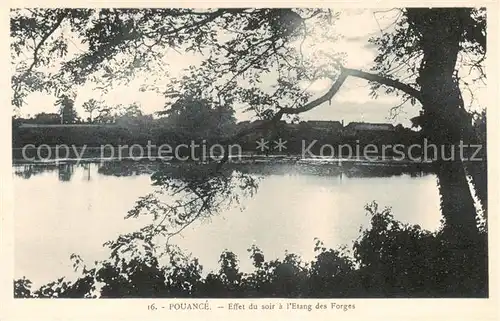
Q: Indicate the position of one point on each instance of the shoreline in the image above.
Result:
(241, 159)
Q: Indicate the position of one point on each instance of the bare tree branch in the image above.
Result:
(340, 81)
(385, 81)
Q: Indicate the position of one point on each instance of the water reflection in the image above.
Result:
(134, 168)
(64, 171)
(75, 208)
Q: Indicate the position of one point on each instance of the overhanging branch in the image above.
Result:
(59, 21)
(346, 72)
(326, 97)
(385, 81)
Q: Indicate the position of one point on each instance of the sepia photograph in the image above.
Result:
(249, 153)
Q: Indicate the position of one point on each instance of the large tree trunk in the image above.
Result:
(446, 122)
(457, 204)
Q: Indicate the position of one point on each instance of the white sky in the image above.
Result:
(352, 102)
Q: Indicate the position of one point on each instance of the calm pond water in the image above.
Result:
(64, 209)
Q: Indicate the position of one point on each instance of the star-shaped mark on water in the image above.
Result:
(262, 144)
(280, 144)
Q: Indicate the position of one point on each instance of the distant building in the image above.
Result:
(355, 127)
(325, 125)
(317, 125)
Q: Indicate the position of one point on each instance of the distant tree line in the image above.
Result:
(192, 119)
(99, 113)
(189, 120)
(199, 121)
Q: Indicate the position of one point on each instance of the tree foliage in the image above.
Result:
(198, 117)
(401, 48)
(292, 47)
(67, 109)
(238, 43)
(90, 106)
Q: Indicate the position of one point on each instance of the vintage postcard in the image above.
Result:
(245, 160)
